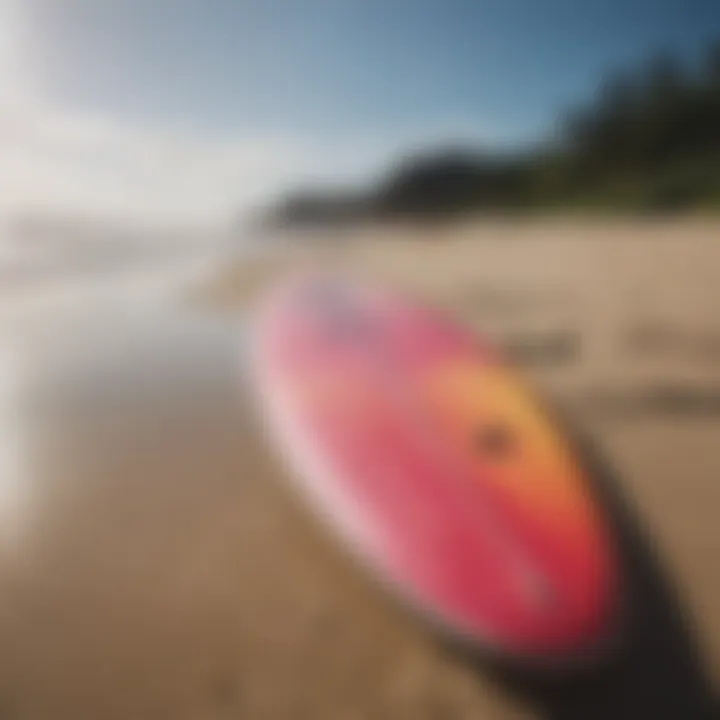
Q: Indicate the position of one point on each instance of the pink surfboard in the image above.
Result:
(423, 449)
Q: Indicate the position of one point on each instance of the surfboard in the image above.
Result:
(443, 473)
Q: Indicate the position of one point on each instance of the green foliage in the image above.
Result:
(651, 141)
(648, 141)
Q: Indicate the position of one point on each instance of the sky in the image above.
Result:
(191, 110)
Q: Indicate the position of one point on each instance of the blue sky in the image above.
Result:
(345, 67)
(288, 88)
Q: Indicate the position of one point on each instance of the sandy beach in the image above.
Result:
(158, 565)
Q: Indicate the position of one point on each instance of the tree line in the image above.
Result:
(647, 140)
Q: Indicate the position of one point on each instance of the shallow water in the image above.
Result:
(77, 347)
(118, 412)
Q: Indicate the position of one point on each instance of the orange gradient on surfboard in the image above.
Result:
(537, 469)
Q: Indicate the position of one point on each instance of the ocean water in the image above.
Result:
(80, 339)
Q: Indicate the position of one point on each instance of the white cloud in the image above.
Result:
(63, 160)
(58, 158)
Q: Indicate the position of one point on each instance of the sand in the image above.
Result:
(167, 570)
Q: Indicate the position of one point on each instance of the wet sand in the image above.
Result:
(155, 564)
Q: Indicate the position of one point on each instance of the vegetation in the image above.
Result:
(648, 140)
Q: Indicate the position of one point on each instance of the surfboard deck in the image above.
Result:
(425, 451)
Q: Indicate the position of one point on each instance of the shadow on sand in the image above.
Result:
(654, 671)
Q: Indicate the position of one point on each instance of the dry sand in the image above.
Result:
(167, 571)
